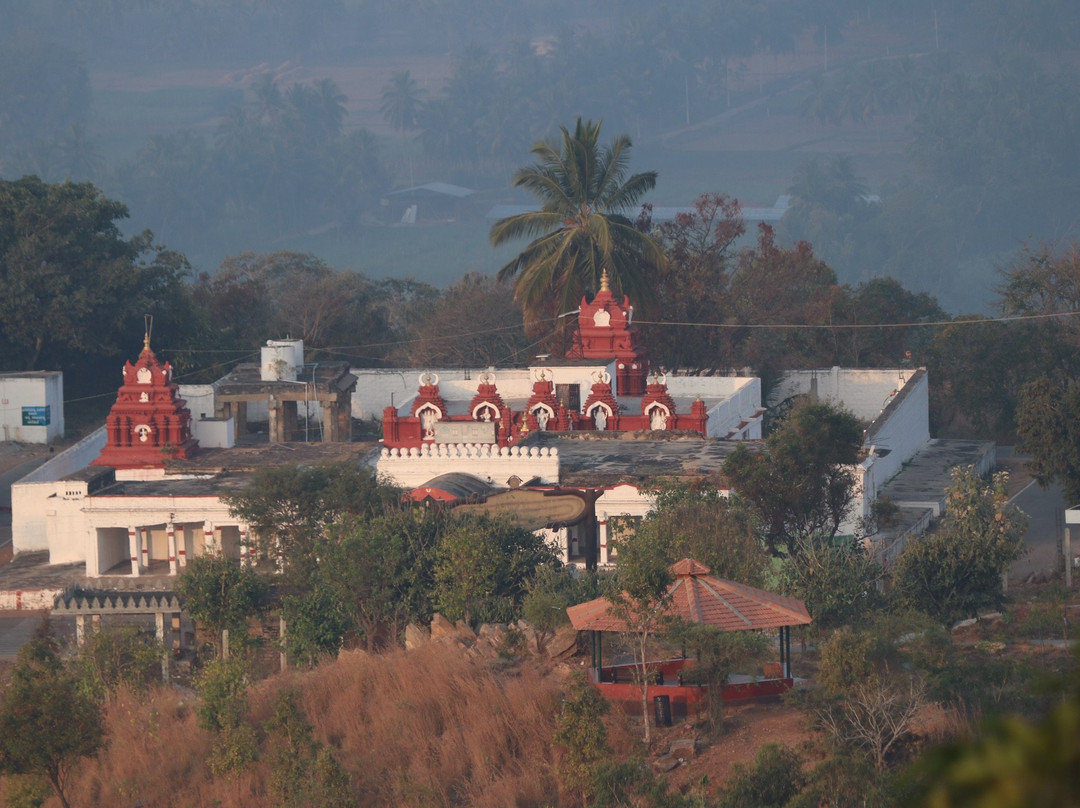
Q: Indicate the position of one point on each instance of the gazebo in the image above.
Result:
(697, 597)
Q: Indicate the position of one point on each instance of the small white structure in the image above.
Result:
(32, 406)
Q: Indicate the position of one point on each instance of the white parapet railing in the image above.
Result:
(412, 467)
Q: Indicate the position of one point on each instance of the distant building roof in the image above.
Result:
(443, 188)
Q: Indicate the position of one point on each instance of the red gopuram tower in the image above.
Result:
(606, 331)
(149, 424)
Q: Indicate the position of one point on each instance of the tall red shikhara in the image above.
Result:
(606, 331)
(149, 424)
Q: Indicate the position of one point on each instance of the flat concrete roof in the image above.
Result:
(605, 459)
(923, 479)
(33, 571)
(251, 457)
(323, 378)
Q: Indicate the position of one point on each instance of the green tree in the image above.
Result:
(801, 487)
(70, 285)
(113, 657)
(483, 568)
(838, 582)
(866, 701)
(1048, 428)
(222, 687)
(639, 596)
(221, 594)
(581, 227)
(775, 777)
(695, 521)
(303, 772)
(550, 593)
(955, 571)
(290, 507)
(719, 654)
(47, 722)
(582, 737)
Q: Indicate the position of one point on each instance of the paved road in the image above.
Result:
(14, 474)
(15, 629)
(1046, 522)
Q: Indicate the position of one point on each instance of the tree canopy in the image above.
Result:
(70, 284)
(955, 571)
(47, 721)
(801, 486)
(581, 227)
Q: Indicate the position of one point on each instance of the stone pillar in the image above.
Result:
(170, 533)
(603, 533)
(344, 420)
(329, 422)
(80, 629)
(181, 548)
(240, 418)
(273, 425)
(144, 547)
(564, 544)
(208, 539)
(1068, 553)
(133, 548)
(159, 632)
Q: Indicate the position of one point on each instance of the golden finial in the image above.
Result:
(148, 323)
(604, 287)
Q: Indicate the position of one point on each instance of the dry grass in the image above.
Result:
(432, 727)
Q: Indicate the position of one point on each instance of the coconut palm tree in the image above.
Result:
(581, 227)
(401, 101)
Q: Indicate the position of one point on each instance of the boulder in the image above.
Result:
(666, 763)
(683, 749)
(441, 627)
(564, 644)
(415, 636)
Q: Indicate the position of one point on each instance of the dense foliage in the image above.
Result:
(956, 570)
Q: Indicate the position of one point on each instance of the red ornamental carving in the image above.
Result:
(657, 398)
(149, 424)
(543, 407)
(601, 397)
(429, 405)
(487, 399)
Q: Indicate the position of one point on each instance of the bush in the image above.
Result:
(775, 777)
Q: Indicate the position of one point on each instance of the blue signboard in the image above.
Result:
(36, 416)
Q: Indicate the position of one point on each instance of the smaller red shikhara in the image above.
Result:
(149, 424)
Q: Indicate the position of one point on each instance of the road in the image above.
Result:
(15, 629)
(1046, 522)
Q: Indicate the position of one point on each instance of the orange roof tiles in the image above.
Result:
(698, 597)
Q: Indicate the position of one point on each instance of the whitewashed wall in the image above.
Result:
(30, 496)
(865, 393)
(904, 430)
(35, 389)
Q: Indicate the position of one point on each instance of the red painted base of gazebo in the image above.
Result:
(616, 683)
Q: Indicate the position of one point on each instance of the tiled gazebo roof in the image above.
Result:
(698, 597)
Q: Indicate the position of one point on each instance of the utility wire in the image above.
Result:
(828, 326)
